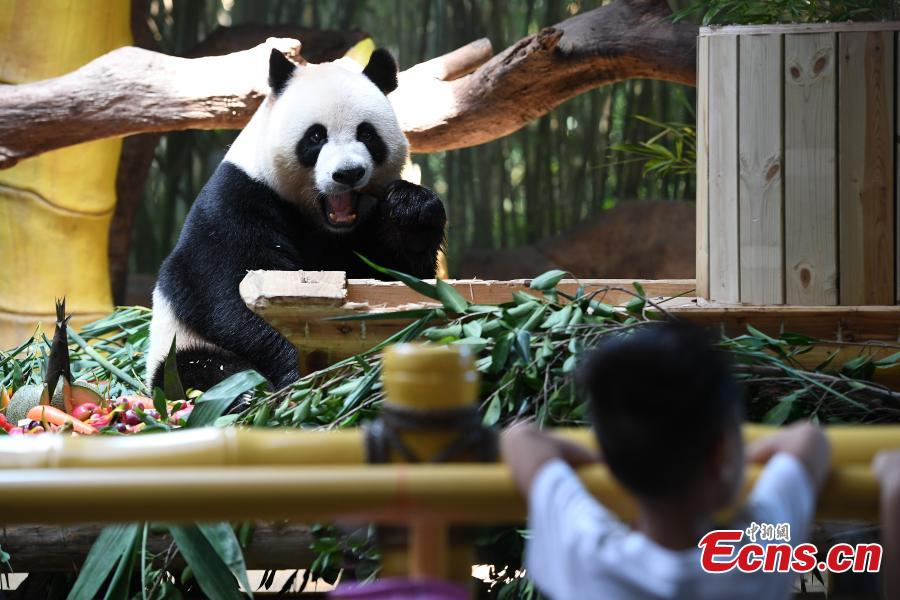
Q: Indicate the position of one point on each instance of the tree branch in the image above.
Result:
(132, 91)
(622, 40)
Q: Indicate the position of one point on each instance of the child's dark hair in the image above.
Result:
(660, 397)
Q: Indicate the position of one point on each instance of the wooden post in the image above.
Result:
(810, 204)
(866, 195)
(760, 188)
(722, 160)
(702, 269)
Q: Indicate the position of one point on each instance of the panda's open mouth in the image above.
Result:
(340, 209)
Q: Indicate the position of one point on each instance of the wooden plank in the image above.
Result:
(810, 144)
(731, 30)
(866, 165)
(702, 268)
(724, 283)
(271, 292)
(761, 179)
(839, 323)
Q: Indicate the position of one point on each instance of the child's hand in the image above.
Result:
(886, 465)
(804, 441)
(525, 449)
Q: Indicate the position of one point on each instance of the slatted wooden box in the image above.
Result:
(796, 165)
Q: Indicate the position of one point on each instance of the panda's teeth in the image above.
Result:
(351, 218)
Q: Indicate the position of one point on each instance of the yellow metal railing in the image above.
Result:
(213, 474)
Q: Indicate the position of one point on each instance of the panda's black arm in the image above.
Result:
(209, 302)
(409, 230)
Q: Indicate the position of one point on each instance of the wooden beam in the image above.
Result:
(49, 548)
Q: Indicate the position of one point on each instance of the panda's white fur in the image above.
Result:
(265, 207)
(338, 98)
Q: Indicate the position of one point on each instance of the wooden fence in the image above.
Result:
(797, 185)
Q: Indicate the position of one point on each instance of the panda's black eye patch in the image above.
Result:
(368, 135)
(310, 144)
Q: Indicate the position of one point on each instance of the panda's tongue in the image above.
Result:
(341, 209)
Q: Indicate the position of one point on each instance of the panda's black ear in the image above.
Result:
(382, 70)
(280, 71)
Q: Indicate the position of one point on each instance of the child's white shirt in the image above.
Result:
(578, 549)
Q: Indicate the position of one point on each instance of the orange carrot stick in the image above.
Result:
(51, 414)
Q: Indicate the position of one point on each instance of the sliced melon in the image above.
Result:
(59, 394)
(82, 392)
(25, 398)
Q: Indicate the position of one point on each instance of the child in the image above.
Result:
(887, 468)
(667, 412)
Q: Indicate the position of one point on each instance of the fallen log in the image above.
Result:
(456, 100)
(50, 548)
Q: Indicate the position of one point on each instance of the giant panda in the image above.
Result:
(288, 195)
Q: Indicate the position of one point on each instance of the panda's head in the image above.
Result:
(330, 131)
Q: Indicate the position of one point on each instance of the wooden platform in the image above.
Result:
(296, 303)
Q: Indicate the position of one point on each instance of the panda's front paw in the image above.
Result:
(412, 206)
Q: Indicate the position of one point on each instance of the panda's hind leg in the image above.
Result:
(201, 369)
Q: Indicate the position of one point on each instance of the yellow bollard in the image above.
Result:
(431, 416)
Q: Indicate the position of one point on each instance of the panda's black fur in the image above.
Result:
(238, 224)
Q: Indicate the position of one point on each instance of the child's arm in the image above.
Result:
(526, 449)
(805, 441)
(887, 468)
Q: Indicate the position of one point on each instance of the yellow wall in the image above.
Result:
(55, 209)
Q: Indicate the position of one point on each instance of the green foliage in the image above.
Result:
(114, 545)
(216, 399)
(671, 151)
(527, 349)
(751, 12)
(109, 350)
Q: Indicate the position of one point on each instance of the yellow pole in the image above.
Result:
(187, 448)
(436, 382)
(55, 209)
(396, 494)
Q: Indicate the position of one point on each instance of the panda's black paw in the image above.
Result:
(413, 206)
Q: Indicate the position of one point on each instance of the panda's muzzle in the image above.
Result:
(341, 208)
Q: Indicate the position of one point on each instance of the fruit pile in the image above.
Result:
(63, 404)
(26, 414)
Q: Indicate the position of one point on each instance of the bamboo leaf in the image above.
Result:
(548, 280)
(159, 403)
(223, 540)
(450, 298)
(121, 580)
(171, 380)
(492, 414)
(210, 570)
(380, 316)
(113, 543)
(214, 401)
(424, 288)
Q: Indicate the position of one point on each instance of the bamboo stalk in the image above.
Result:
(852, 445)
(454, 493)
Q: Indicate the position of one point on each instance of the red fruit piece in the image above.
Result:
(85, 411)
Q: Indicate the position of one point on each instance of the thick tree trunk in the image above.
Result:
(132, 91)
